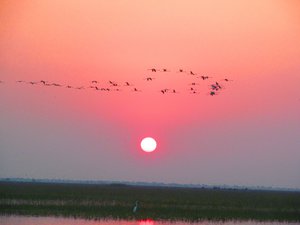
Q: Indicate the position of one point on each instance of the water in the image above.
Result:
(26, 220)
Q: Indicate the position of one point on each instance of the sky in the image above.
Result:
(247, 134)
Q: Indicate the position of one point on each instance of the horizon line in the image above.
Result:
(148, 184)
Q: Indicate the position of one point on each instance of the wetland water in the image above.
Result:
(28, 220)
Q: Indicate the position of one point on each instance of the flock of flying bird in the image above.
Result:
(111, 86)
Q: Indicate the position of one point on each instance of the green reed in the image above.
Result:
(117, 201)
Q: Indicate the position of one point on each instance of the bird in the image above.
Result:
(212, 93)
(94, 82)
(165, 70)
(153, 70)
(113, 83)
(226, 79)
(136, 90)
(218, 85)
(127, 84)
(149, 78)
(204, 77)
(55, 84)
(164, 91)
(192, 73)
(135, 208)
(42, 81)
(214, 87)
(193, 84)
(180, 71)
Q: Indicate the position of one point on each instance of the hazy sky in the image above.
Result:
(249, 134)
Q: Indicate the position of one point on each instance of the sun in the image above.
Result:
(148, 144)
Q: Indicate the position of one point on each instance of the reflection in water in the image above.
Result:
(24, 220)
(146, 222)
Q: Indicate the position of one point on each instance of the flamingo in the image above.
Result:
(136, 90)
(192, 73)
(150, 78)
(153, 70)
(204, 77)
(180, 71)
(212, 93)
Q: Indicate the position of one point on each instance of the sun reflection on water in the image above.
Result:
(146, 222)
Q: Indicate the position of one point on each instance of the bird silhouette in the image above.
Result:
(204, 77)
(153, 70)
(112, 83)
(56, 84)
(180, 71)
(192, 73)
(212, 93)
(136, 90)
(214, 87)
(127, 84)
(218, 85)
(149, 78)
(164, 91)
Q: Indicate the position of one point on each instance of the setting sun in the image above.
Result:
(148, 144)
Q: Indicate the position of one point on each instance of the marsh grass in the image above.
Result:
(117, 201)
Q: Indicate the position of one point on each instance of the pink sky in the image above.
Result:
(246, 135)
